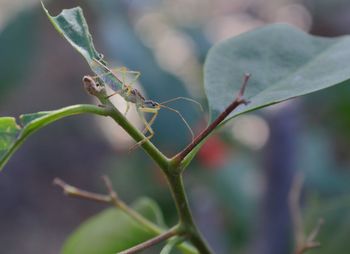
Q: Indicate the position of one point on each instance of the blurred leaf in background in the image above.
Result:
(21, 34)
(112, 230)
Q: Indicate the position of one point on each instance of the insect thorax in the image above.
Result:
(132, 95)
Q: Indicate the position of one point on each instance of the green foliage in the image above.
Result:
(13, 135)
(112, 230)
(21, 34)
(284, 62)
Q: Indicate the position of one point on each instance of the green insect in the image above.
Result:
(132, 95)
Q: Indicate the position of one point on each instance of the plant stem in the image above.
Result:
(118, 203)
(238, 101)
(113, 199)
(110, 198)
(151, 242)
(302, 243)
(174, 179)
(170, 167)
(137, 135)
(176, 168)
(185, 215)
(51, 116)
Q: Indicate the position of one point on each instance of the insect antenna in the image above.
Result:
(183, 98)
(182, 118)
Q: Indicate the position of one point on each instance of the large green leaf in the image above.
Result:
(13, 135)
(112, 230)
(284, 63)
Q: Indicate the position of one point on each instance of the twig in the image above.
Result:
(302, 243)
(72, 191)
(166, 235)
(296, 217)
(110, 189)
(238, 101)
(111, 198)
(315, 232)
(310, 242)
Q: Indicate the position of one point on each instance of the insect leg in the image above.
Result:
(148, 128)
(148, 125)
(151, 121)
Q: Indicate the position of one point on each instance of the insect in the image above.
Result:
(132, 95)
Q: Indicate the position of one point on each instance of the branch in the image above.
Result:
(310, 242)
(110, 198)
(303, 244)
(168, 167)
(238, 101)
(151, 242)
(72, 191)
(113, 199)
(31, 126)
(185, 216)
(296, 217)
(174, 174)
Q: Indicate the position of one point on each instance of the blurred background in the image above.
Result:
(238, 184)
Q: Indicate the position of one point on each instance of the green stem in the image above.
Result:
(185, 215)
(137, 135)
(50, 117)
(172, 170)
(112, 199)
